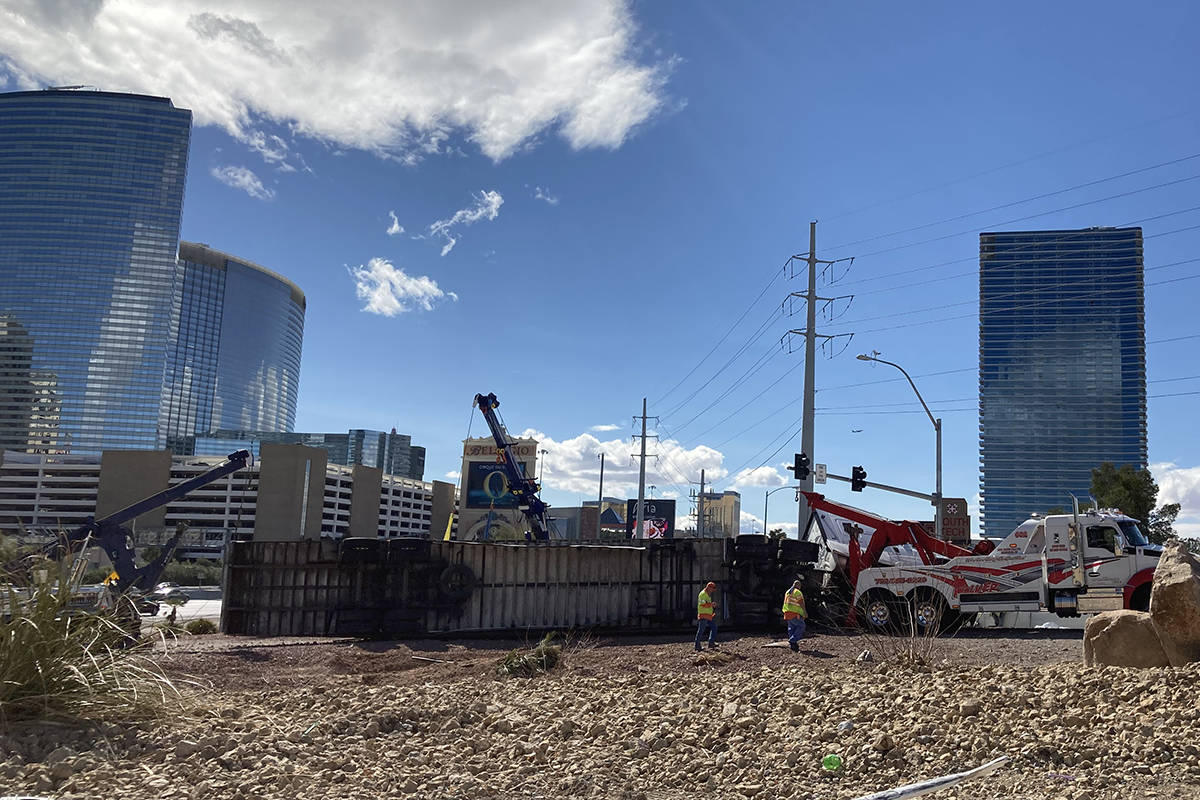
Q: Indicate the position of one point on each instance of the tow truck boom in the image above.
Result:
(111, 535)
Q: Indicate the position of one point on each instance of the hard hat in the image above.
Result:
(710, 585)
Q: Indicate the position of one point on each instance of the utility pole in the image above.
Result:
(700, 509)
(807, 431)
(600, 499)
(641, 499)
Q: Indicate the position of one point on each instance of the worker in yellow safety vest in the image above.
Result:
(795, 613)
(706, 617)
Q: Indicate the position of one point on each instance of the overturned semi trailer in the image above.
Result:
(414, 587)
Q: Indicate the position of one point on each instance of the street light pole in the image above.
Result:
(767, 496)
(937, 428)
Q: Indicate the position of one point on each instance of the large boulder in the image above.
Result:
(1175, 604)
(1123, 639)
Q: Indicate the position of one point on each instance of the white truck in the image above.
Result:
(1067, 564)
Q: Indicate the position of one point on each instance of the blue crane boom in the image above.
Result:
(523, 487)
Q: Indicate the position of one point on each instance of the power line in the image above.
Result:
(1009, 165)
(763, 360)
(1034, 198)
(1031, 291)
(721, 341)
(975, 272)
(754, 337)
(1072, 207)
(1010, 309)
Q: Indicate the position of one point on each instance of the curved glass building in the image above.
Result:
(91, 192)
(1062, 366)
(236, 360)
(108, 341)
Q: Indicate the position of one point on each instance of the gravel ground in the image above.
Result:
(635, 718)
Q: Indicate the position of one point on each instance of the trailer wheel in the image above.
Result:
(882, 612)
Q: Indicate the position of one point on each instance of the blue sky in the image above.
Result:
(592, 195)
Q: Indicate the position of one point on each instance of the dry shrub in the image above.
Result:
(63, 662)
(526, 663)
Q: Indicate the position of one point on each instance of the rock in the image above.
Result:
(865, 657)
(729, 709)
(186, 747)
(1123, 639)
(970, 708)
(882, 743)
(58, 754)
(1175, 604)
(845, 726)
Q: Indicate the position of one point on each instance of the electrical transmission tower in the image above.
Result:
(809, 332)
(641, 499)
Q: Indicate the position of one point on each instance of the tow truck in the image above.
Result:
(523, 487)
(110, 534)
(1067, 564)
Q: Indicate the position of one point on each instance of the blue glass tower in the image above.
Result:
(1062, 366)
(236, 361)
(91, 193)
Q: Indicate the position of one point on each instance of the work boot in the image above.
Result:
(697, 648)
(795, 646)
(712, 645)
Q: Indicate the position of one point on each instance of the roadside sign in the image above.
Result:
(956, 523)
(819, 473)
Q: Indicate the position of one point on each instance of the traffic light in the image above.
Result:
(801, 468)
(858, 479)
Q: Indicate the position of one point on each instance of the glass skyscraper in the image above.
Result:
(91, 192)
(1062, 366)
(236, 359)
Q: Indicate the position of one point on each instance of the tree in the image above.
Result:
(1131, 490)
(776, 534)
(1162, 523)
(1135, 493)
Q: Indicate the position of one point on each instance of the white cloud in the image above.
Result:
(542, 193)
(453, 475)
(573, 465)
(395, 227)
(753, 524)
(389, 290)
(604, 428)
(244, 179)
(487, 207)
(396, 79)
(1180, 485)
(759, 476)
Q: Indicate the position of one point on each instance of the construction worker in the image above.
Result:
(706, 617)
(795, 613)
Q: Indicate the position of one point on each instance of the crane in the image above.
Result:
(523, 487)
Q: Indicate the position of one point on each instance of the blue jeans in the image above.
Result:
(709, 625)
(795, 629)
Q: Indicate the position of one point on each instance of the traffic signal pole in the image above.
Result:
(885, 487)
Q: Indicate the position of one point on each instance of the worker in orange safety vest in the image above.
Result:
(795, 613)
(706, 617)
